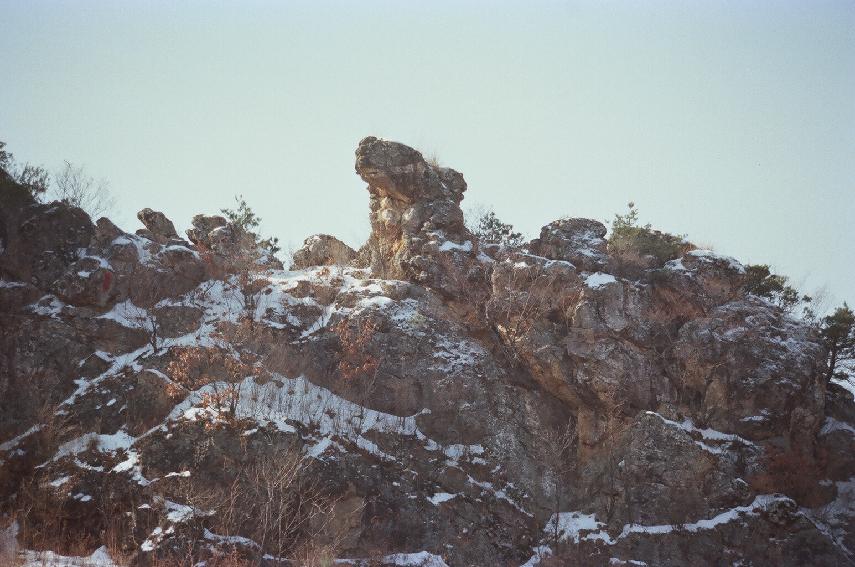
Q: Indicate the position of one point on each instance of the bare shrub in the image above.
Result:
(790, 472)
(355, 359)
(74, 186)
(611, 414)
(526, 298)
(195, 367)
(146, 320)
(278, 502)
(558, 453)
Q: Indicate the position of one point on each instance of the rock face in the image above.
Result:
(323, 250)
(441, 406)
(38, 241)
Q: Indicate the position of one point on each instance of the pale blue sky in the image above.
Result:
(732, 122)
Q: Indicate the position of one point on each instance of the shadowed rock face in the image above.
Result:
(448, 403)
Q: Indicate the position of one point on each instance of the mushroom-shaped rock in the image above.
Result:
(417, 228)
(394, 170)
(580, 241)
(160, 227)
(323, 250)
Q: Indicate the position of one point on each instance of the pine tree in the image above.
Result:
(838, 335)
(34, 178)
(760, 281)
(245, 218)
(491, 230)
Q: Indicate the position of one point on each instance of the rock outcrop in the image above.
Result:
(417, 229)
(323, 250)
(579, 241)
(444, 405)
(159, 227)
(215, 233)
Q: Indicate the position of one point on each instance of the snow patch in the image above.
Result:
(710, 256)
(99, 558)
(598, 280)
(830, 425)
(707, 434)
(448, 245)
(420, 559)
(441, 497)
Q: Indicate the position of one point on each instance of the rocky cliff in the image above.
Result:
(426, 400)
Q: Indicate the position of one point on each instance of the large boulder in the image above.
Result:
(39, 241)
(105, 232)
(579, 241)
(160, 227)
(323, 250)
(215, 234)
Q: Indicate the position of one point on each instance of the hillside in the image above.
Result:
(428, 399)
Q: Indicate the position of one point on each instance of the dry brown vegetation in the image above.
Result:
(791, 472)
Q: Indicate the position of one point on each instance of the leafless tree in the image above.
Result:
(147, 321)
(74, 186)
(276, 502)
(611, 415)
(526, 298)
(558, 451)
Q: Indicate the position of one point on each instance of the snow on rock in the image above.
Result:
(836, 517)
(297, 399)
(49, 306)
(60, 481)
(577, 526)
(570, 525)
(177, 512)
(448, 245)
(760, 503)
(128, 315)
(103, 443)
(710, 256)
(420, 559)
(12, 443)
(456, 353)
(848, 383)
(99, 558)
(599, 279)
(441, 497)
(832, 425)
(230, 539)
(707, 434)
(145, 257)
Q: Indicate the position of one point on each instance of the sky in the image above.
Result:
(732, 122)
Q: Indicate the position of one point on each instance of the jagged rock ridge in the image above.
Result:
(432, 400)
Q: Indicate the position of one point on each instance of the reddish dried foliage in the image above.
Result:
(790, 472)
(355, 360)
